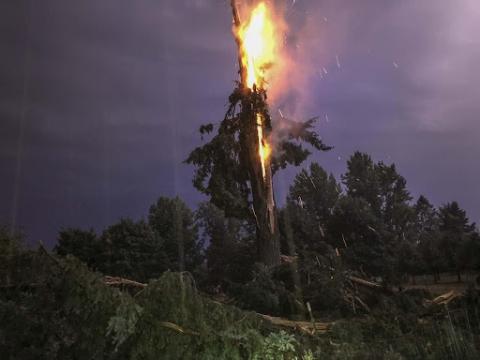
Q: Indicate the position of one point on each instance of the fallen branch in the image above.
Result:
(178, 328)
(371, 285)
(363, 282)
(303, 326)
(352, 299)
(445, 299)
(118, 281)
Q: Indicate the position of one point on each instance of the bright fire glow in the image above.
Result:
(263, 147)
(257, 37)
(259, 52)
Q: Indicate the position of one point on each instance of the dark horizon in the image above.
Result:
(101, 102)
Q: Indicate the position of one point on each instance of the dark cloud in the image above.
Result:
(101, 101)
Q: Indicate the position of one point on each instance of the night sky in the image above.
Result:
(100, 101)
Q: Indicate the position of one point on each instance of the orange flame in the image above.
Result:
(263, 147)
(259, 51)
(258, 40)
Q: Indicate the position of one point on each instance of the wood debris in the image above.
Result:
(306, 327)
(364, 282)
(118, 281)
(445, 299)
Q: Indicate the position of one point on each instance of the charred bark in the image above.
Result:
(261, 184)
(263, 203)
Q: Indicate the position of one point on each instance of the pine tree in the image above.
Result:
(83, 244)
(131, 249)
(455, 233)
(361, 180)
(173, 222)
(232, 168)
(229, 242)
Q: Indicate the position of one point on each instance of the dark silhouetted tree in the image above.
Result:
(394, 197)
(83, 244)
(230, 252)
(384, 192)
(132, 249)
(225, 168)
(360, 233)
(425, 234)
(310, 204)
(455, 233)
(173, 222)
(361, 180)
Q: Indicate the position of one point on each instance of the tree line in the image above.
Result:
(367, 223)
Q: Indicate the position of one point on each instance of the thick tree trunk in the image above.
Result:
(264, 211)
(268, 244)
(264, 207)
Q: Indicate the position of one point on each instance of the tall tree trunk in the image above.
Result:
(268, 244)
(264, 211)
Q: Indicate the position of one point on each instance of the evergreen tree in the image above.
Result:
(361, 180)
(316, 191)
(11, 244)
(304, 226)
(456, 232)
(394, 199)
(223, 166)
(409, 259)
(173, 222)
(360, 233)
(424, 234)
(310, 204)
(83, 244)
(383, 191)
(230, 250)
(132, 250)
(426, 218)
(382, 188)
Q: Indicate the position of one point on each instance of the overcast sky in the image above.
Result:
(100, 101)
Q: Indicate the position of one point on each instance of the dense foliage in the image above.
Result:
(54, 307)
(221, 164)
(367, 224)
(57, 306)
(138, 249)
(374, 226)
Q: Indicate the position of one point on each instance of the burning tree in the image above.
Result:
(236, 167)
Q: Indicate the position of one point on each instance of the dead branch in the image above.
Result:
(118, 281)
(444, 299)
(178, 328)
(363, 282)
(237, 24)
(307, 327)
(353, 299)
(236, 16)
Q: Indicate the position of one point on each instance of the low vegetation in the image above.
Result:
(185, 284)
